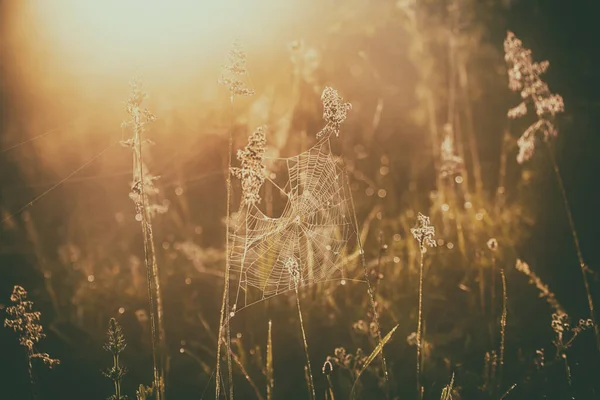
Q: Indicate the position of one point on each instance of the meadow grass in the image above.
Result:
(446, 279)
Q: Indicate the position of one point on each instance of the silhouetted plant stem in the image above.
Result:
(225, 302)
(155, 299)
(230, 77)
(502, 328)
(269, 365)
(424, 233)
(582, 264)
(21, 318)
(142, 182)
(31, 377)
(366, 273)
(420, 324)
(155, 315)
(115, 344)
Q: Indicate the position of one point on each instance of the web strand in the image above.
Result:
(57, 184)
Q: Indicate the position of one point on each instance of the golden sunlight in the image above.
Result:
(124, 34)
(69, 60)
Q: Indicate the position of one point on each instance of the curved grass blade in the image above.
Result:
(447, 391)
(372, 356)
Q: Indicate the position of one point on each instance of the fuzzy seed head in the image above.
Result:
(115, 339)
(424, 232)
(231, 73)
(252, 170)
(26, 323)
(524, 77)
(334, 112)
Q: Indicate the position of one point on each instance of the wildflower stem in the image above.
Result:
(31, 377)
(225, 302)
(369, 286)
(492, 321)
(502, 328)
(311, 385)
(425, 235)
(118, 380)
(269, 366)
(249, 379)
(582, 264)
(329, 393)
(493, 289)
(155, 300)
(567, 370)
(21, 318)
(420, 323)
(382, 250)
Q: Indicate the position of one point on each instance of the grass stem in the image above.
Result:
(309, 379)
(225, 302)
(582, 264)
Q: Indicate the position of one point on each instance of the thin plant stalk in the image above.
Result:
(115, 344)
(582, 264)
(259, 396)
(382, 250)
(509, 391)
(21, 318)
(117, 381)
(31, 376)
(502, 328)
(366, 273)
(447, 391)
(492, 322)
(225, 302)
(269, 369)
(493, 289)
(329, 393)
(568, 372)
(155, 299)
(365, 364)
(420, 325)
(229, 77)
(424, 233)
(310, 382)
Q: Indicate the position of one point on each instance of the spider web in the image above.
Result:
(312, 233)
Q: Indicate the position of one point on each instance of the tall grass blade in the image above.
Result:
(502, 328)
(447, 391)
(142, 181)
(308, 370)
(225, 302)
(582, 264)
(239, 363)
(508, 392)
(420, 328)
(366, 273)
(270, 380)
(378, 349)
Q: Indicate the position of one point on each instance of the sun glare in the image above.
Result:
(123, 34)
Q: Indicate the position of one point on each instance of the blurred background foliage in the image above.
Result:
(427, 133)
